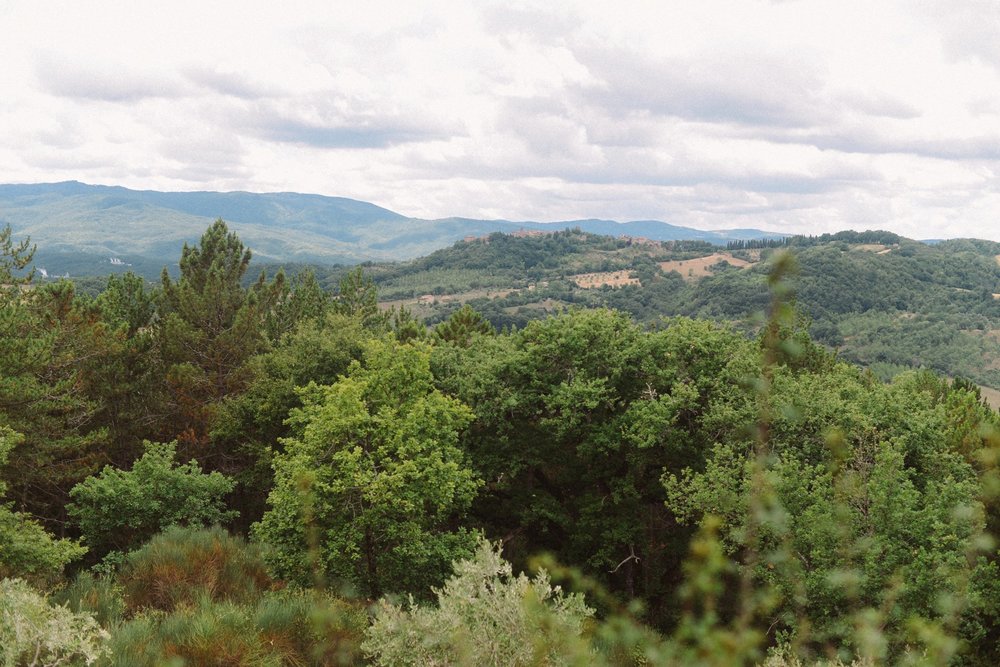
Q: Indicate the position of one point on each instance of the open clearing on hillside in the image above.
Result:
(422, 306)
(992, 396)
(612, 278)
(877, 248)
(692, 269)
(997, 258)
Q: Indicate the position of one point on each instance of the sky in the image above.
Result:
(795, 116)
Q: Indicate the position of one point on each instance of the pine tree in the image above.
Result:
(209, 328)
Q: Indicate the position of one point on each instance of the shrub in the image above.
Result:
(33, 632)
(26, 550)
(121, 509)
(485, 616)
(181, 565)
(101, 597)
(281, 628)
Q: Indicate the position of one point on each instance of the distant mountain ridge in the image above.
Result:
(79, 227)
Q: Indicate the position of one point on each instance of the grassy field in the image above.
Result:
(699, 267)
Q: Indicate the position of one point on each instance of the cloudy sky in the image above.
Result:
(801, 116)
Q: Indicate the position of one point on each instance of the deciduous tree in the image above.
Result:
(375, 470)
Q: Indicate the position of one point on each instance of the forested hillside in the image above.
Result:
(880, 300)
(92, 230)
(241, 470)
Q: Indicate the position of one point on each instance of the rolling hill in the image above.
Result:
(883, 301)
(78, 228)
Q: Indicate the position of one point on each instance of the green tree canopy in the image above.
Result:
(376, 470)
(122, 509)
(26, 549)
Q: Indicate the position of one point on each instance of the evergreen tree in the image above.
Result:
(462, 325)
(210, 326)
(51, 346)
(358, 297)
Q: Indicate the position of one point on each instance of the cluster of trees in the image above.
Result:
(756, 244)
(216, 472)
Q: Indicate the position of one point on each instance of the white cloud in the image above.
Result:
(793, 116)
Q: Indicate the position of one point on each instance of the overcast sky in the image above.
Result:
(800, 116)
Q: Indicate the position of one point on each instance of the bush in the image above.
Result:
(101, 597)
(29, 552)
(281, 628)
(121, 509)
(181, 565)
(485, 616)
(33, 632)
(26, 549)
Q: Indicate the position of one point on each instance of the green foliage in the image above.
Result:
(577, 416)
(484, 616)
(853, 507)
(281, 628)
(202, 597)
(26, 549)
(51, 349)
(128, 378)
(406, 326)
(723, 497)
(251, 425)
(181, 565)
(896, 302)
(358, 297)
(100, 596)
(375, 472)
(121, 509)
(14, 257)
(464, 323)
(299, 299)
(33, 632)
(125, 302)
(209, 327)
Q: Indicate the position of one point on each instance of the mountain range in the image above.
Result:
(86, 229)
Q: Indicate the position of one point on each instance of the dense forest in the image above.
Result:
(227, 469)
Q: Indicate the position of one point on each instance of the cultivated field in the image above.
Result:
(692, 269)
(612, 278)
